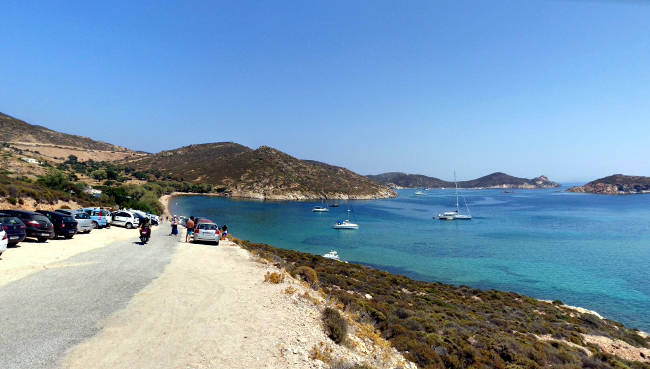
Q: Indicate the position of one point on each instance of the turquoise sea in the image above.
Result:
(587, 250)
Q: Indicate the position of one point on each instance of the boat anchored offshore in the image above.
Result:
(456, 215)
(419, 193)
(332, 255)
(320, 209)
(345, 224)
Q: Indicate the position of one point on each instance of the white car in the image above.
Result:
(125, 219)
(84, 223)
(208, 232)
(4, 240)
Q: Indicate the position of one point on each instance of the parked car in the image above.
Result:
(4, 241)
(207, 232)
(125, 219)
(100, 218)
(37, 225)
(153, 219)
(84, 223)
(14, 227)
(64, 225)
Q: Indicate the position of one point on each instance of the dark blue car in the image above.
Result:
(14, 227)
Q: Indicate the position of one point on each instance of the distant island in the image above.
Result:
(617, 184)
(494, 180)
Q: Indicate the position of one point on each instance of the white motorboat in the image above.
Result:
(332, 255)
(320, 209)
(456, 215)
(419, 193)
(345, 224)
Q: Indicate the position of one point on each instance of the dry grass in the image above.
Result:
(275, 278)
(290, 290)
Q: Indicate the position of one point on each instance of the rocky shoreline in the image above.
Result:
(616, 184)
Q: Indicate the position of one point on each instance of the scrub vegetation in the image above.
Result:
(443, 326)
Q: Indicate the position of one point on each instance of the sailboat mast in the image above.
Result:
(457, 207)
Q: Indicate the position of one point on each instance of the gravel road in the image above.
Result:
(44, 314)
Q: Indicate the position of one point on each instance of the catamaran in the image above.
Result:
(345, 224)
(456, 215)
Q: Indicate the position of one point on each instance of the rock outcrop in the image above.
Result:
(617, 184)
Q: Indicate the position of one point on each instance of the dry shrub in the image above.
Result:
(336, 327)
(311, 298)
(321, 352)
(274, 277)
(289, 290)
(308, 274)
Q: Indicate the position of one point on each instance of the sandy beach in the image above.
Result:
(30, 256)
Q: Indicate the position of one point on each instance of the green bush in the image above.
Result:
(12, 200)
(336, 327)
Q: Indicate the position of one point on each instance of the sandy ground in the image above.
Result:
(212, 309)
(30, 257)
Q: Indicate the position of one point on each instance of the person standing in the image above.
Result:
(174, 226)
(190, 228)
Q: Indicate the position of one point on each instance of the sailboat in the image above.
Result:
(456, 215)
(345, 224)
(320, 208)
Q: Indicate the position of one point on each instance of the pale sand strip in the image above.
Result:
(31, 257)
(212, 309)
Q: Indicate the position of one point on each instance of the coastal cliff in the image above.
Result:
(617, 184)
(494, 180)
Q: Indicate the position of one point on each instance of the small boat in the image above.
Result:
(455, 215)
(334, 205)
(320, 209)
(345, 224)
(419, 193)
(332, 255)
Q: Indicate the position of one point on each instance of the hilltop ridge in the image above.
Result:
(262, 173)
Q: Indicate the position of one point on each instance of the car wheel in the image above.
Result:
(68, 236)
(129, 225)
(95, 225)
(42, 239)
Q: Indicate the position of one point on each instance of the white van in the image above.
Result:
(125, 219)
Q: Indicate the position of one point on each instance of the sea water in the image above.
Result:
(586, 250)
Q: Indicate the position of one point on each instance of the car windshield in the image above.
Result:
(41, 218)
(9, 220)
(210, 227)
(82, 216)
(68, 219)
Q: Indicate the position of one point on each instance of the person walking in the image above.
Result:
(190, 229)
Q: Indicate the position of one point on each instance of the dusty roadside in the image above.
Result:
(31, 257)
(211, 308)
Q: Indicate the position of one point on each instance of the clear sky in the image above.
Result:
(560, 88)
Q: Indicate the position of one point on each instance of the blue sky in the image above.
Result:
(560, 88)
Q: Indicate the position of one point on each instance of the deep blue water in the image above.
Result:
(586, 250)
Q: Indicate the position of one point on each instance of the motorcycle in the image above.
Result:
(145, 233)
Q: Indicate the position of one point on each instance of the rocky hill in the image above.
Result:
(404, 180)
(617, 184)
(30, 140)
(494, 180)
(264, 173)
(18, 131)
(502, 180)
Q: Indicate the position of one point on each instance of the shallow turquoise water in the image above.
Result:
(586, 250)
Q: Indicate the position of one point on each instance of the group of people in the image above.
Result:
(190, 226)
